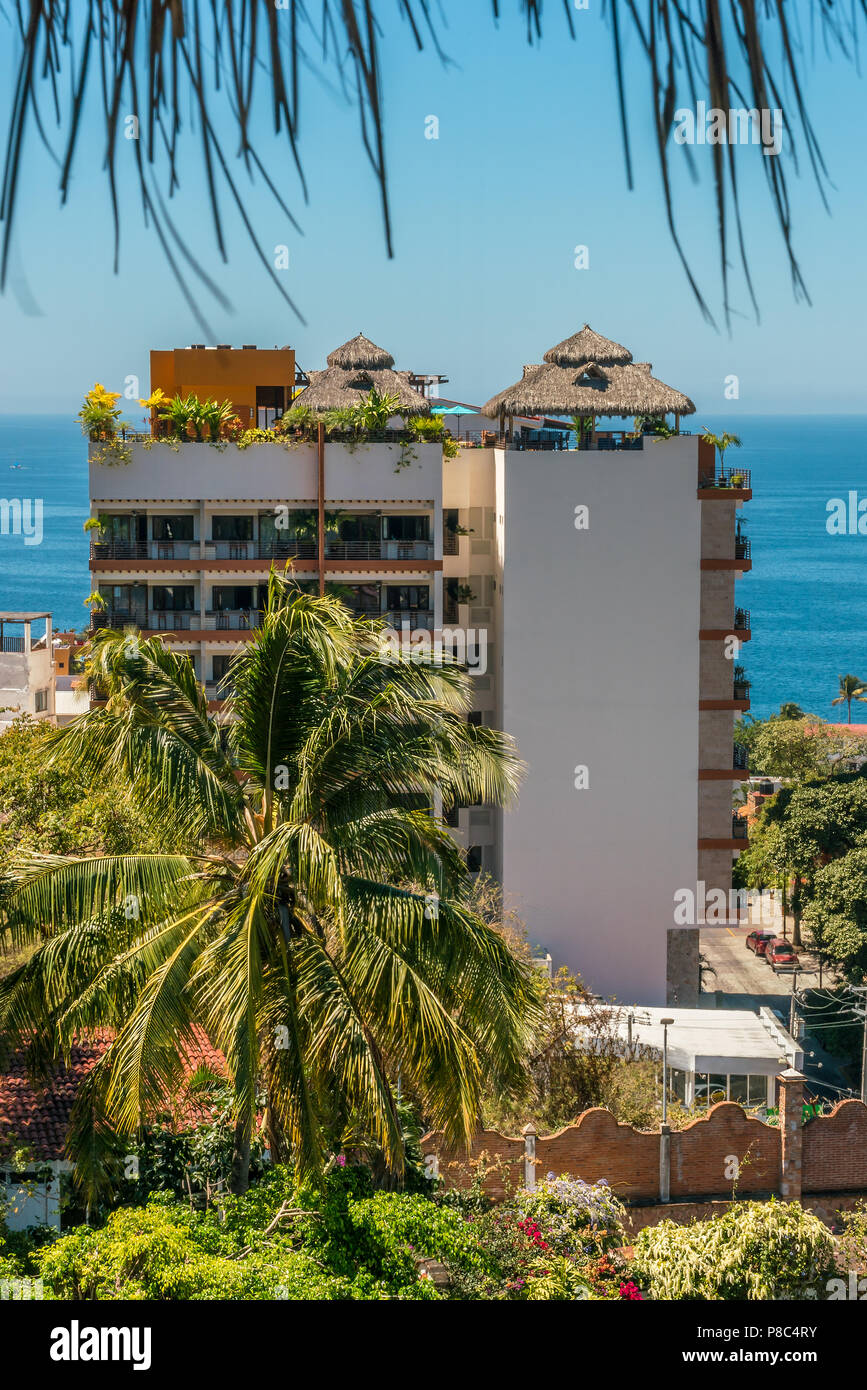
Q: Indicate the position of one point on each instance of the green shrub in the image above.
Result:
(574, 1217)
(756, 1250)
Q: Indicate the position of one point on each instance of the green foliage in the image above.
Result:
(755, 1250)
(290, 921)
(62, 811)
(573, 1215)
(836, 917)
(189, 417)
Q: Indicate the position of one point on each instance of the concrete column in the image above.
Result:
(529, 1134)
(791, 1108)
(665, 1163)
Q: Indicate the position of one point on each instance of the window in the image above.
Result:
(406, 528)
(407, 596)
(233, 528)
(474, 858)
(739, 1089)
(758, 1090)
(220, 667)
(172, 598)
(475, 717)
(173, 528)
(40, 701)
(233, 597)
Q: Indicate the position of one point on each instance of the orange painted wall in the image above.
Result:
(223, 373)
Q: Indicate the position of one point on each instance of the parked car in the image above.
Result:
(758, 941)
(780, 956)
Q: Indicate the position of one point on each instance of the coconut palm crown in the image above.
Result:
(309, 918)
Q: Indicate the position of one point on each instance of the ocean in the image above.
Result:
(807, 590)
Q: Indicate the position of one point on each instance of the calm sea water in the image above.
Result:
(807, 590)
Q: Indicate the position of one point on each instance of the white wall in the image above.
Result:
(268, 472)
(600, 667)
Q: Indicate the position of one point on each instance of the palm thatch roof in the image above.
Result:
(353, 371)
(589, 375)
(360, 352)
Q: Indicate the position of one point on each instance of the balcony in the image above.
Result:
(743, 549)
(231, 619)
(740, 757)
(740, 829)
(378, 550)
(185, 552)
(12, 644)
(727, 480)
(218, 689)
(146, 621)
(418, 618)
(742, 620)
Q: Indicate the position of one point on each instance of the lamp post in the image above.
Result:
(666, 1023)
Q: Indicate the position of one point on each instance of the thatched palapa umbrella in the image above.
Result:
(588, 375)
(355, 369)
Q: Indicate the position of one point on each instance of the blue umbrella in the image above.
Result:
(453, 410)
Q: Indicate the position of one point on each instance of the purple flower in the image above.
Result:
(341, 1160)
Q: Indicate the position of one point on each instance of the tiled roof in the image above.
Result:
(36, 1116)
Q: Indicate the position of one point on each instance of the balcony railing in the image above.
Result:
(451, 542)
(218, 689)
(12, 644)
(416, 617)
(231, 619)
(740, 757)
(743, 549)
(732, 478)
(740, 829)
(742, 620)
(207, 550)
(147, 621)
(378, 550)
(741, 690)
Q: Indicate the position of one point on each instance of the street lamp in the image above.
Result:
(666, 1023)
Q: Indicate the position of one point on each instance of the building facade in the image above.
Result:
(591, 589)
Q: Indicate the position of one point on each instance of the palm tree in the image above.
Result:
(850, 689)
(294, 922)
(721, 442)
(789, 710)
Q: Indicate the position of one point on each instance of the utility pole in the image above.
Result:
(792, 1016)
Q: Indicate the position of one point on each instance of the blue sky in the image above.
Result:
(528, 165)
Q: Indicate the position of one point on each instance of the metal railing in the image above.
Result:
(740, 757)
(146, 621)
(231, 619)
(12, 644)
(740, 829)
(416, 617)
(738, 479)
(741, 690)
(742, 620)
(204, 550)
(743, 549)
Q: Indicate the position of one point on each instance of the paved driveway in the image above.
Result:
(743, 980)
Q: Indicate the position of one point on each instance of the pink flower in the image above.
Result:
(341, 1160)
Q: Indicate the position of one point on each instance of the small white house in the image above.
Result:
(713, 1054)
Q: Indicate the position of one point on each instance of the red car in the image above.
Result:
(759, 941)
(780, 956)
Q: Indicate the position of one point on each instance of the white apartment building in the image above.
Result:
(26, 668)
(594, 588)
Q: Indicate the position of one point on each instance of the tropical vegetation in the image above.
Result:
(309, 917)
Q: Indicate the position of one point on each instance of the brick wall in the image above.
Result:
(835, 1150)
(724, 1153)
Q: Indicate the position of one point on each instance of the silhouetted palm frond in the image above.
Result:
(165, 69)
